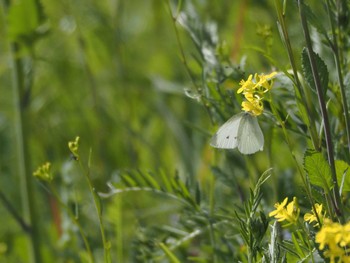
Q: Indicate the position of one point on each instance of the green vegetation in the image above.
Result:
(108, 112)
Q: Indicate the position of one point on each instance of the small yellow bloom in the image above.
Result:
(263, 81)
(253, 90)
(246, 85)
(312, 217)
(279, 207)
(289, 213)
(335, 238)
(74, 147)
(43, 172)
(253, 106)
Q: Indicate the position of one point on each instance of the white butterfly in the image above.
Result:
(241, 131)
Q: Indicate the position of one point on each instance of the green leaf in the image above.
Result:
(273, 246)
(318, 169)
(169, 254)
(128, 181)
(150, 181)
(166, 182)
(342, 175)
(297, 246)
(321, 68)
(24, 20)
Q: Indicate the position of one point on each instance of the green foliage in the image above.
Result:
(318, 170)
(24, 21)
(342, 173)
(308, 74)
(142, 86)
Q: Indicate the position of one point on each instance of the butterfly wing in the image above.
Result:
(226, 136)
(250, 138)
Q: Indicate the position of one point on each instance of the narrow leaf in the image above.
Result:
(128, 181)
(150, 181)
(172, 258)
(297, 246)
(273, 246)
(167, 182)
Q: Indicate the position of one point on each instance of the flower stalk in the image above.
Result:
(74, 147)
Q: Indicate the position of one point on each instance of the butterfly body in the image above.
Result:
(241, 131)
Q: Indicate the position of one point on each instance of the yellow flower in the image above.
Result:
(312, 217)
(43, 172)
(73, 147)
(289, 213)
(253, 106)
(263, 81)
(279, 207)
(246, 85)
(335, 238)
(253, 90)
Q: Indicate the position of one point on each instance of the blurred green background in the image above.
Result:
(111, 72)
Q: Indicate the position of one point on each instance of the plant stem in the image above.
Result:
(298, 166)
(301, 94)
(336, 196)
(26, 181)
(97, 203)
(7, 204)
(75, 221)
(336, 51)
(184, 60)
(119, 228)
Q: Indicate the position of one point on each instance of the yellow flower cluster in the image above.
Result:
(73, 147)
(315, 215)
(333, 237)
(254, 90)
(336, 238)
(43, 172)
(286, 212)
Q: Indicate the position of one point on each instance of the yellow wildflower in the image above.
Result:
(73, 147)
(43, 172)
(253, 106)
(253, 90)
(335, 238)
(312, 217)
(279, 207)
(289, 213)
(246, 85)
(263, 81)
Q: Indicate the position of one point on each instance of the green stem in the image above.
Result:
(119, 228)
(75, 221)
(299, 168)
(184, 60)
(336, 51)
(336, 196)
(212, 240)
(302, 95)
(97, 203)
(26, 181)
(12, 210)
